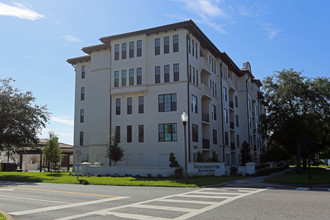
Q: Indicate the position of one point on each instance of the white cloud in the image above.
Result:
(62, 120)
(256, 10)
(270, 30)
(203, 7)
(207, 11)
(71, 38)
(19, 11)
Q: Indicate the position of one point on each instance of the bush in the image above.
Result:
(233, 171)
(149, 175)
(159, 176)
(173, 161)
(178, 172)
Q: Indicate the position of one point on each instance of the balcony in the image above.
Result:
(204, 64)
(232, 125)
(206, 91)
(206, 144)
(205, 117)
(231, 104)
(232, 146)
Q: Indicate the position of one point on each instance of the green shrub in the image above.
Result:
(233, 171)
(178, 172)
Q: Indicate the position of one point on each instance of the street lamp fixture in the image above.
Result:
(184, 119)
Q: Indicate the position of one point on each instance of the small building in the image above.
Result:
(29, 159)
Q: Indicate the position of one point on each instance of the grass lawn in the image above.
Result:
(115, 181)
(319, 176)
(2, 217)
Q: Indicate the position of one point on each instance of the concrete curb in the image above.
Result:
(8, 217)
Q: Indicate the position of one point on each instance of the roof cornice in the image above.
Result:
(79, 59)
(93, 48)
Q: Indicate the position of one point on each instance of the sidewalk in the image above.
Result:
(259, 182)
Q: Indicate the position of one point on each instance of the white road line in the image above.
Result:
(41, 200)
(200, 196)
(166, 208)
(6, 189)
(32, 211)
(303, 188)
(135, 216)
(219, 193)
(197, 212)
(187, 201)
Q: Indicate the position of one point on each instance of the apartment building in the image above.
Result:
(138, 84)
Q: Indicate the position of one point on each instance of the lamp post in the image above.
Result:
(184, 119)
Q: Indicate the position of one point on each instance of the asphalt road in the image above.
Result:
(64, 201)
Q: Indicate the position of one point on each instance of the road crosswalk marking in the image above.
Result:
(185, 212)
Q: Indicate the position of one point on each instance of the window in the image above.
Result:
(237, 122)
(123, 50)
(167, 102)
(116, 78)
(189, 46)
(214, 112)
(250, 125)
(194, 104)
(123, 78)
(83, 71)
(117, 52)
(236, 101)
(141, 104)
(176, 72)
(226, 138)
(131, 49)
(131, 77)
(117, 134)
(237, 140)
(194, 79)
(167, 132)
(194, 133)
(176, 43)
(193, 48)
(215, 136)
(82, 115)
(118, 106)
(139, 76)
(157, 74)
(189, 72)
(166, 73)
(224, 94)
(129, 105)
(139, 48)
(141, 133)
(166, 45)
(225, 115)
(129, 133)
(196, 51)
(81, 138)
(249, 104)
(82, 94)
(157, 46)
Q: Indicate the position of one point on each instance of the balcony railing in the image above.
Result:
(206, 143)
(231, 104)
(232, 125)
(232, 146)
(205, 117)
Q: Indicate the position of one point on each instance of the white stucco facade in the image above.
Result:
(149, 133)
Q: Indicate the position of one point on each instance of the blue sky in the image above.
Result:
(37, 36)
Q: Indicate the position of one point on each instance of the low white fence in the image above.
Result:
(194, 169)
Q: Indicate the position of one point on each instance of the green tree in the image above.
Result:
(173, 160)
(51, 151)
(297, 112)
(20, 119)
(115, 152)
(245, 153)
